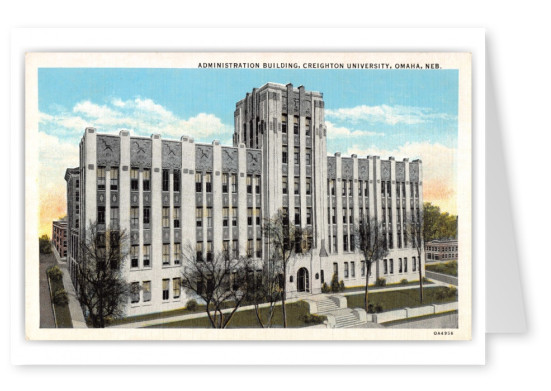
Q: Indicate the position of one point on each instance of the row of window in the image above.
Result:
(297, 218)
(134, 179)
(296, 185)
(388, 265)
(363, 188)
(296, 128)
(145, 290)
(447, 249)
(134, 255)
(296, 155)
(228, 250)
(228, 180)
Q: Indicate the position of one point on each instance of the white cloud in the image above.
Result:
(334, 131)
(390, 115)
(93, 110)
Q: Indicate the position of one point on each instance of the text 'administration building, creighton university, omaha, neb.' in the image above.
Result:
(170, 194)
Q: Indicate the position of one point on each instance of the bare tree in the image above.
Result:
(101, 288)
(220, 281)
(284, 239)
(266, 289)
(371, 241)
(414, 233)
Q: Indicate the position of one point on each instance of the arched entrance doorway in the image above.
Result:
(303, 280)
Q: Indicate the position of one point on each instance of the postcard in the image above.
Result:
(248, 196)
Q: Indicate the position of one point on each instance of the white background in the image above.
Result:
(517, 50)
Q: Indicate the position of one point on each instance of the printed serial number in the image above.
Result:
(443, 333)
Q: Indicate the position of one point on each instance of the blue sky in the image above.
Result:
(401, 113)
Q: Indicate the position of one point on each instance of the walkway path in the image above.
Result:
(447, 321)
(74, 305)
(46, 311)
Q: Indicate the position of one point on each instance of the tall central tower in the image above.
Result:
(288, 125)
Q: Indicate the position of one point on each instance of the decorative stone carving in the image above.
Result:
(172, 154)
(363, 169)
(230, 160)
(254, 162)
(331, 167)
(101, 198)
(414, 172)
(135, 237)
(347, 168)
(108, 150)
(385, 170)
(203, 158)
(147, 198)
(140, 152)
(307, 108)
(400, 171)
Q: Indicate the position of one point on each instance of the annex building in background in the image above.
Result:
(59, 237)
(441, 250)
(170, 194)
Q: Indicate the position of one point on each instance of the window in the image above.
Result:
(350, 188)
(176, 217)
(350, 216)
(114, 178)
(166, 254)
(147, 255)
(198, 182)
(209, 217)
(225, 183)
(346, 270)
(284, 185)
(284, 123)
(405, 265)
(360, 185)
(309, 216)
(235, 249)
(284, 155)
(295, 125)
(334, 243)
(146, 214)
(344, 215)
(225, 216)
(146, 179)
(345, 242)
(101, 178)
(297, 216)
(257, 185)
(353, 269)
(134, 175)
(208, 182)
(249, 184)
(166, 217)
(249, 217)
(77, 183)
(135, 292)
(176, 180)
(234, 183)
(332, 187)
(400, 269)
(77, 197)
(336, 269)
(249, 248)
(334, 216)
(307, 126)
(297, 185)
(385, 266)
(391, 263)
(413, 264)
(344, 188)
(199, 217)
(146, 287)
(166, 283)
(257, 217)
(209, 251)
(165, 180)
(308, 186)
(101, 214)
(363, 268)
(308, 157)
(199, 251)
(258, 248)
(234, 217)
(176, 288)
(352, 243)
(134, 217)
(322, 277)
(134, 256)
(114, 221)
(177, 253)
(297, 155)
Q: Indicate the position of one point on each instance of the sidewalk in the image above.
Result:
(74, 305)
(178, 318)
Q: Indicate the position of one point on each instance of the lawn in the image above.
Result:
(449, 268)
(373, 287)
(62, 313)
(296, 313)
(402, 298)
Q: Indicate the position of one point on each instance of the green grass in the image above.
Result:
(373, 288)
(408, 320)
(402, 298)
(62, 313)
(156, 315)
(449, 268)
(296, 313)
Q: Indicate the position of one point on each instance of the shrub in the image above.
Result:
(60, 297)
(378, 307)
(335, 284)
(380, 282)
(325, 288)
(451, 291)
(191, 305)
(44, 245)
(404, 281)
(425, 279)
(312, 319)
(370, 309)
(341, 286)
(55, 273)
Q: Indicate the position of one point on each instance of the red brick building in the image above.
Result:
(59, 237)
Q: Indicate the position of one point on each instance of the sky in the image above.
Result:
(400, 113)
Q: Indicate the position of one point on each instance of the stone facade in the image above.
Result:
(170, 194)
(59, 237)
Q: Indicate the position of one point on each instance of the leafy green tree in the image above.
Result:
(437, 224)
(44, 244)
